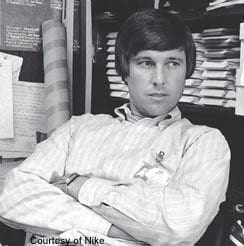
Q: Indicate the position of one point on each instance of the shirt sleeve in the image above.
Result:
(177, 213)
(30, 202)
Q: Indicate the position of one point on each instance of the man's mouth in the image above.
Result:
(158, 94)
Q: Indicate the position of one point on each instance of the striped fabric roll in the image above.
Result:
(56, 74)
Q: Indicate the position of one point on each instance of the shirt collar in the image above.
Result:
(124, 114)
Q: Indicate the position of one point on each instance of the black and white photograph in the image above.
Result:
(122, 122)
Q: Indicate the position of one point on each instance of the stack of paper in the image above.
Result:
(217, 4)
(222, 53)
(218, 57)
(117, 86)
(192, 86)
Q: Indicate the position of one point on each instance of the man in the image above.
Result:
(145, 177)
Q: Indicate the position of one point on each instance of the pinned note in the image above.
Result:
(6, 100)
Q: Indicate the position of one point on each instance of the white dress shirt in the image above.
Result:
(165, 176)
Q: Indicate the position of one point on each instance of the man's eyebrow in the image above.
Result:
(137, 58)
(176, 59)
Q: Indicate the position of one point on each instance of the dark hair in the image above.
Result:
(153, 29)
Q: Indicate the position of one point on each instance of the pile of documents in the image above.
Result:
(22, 110)
(220, 57)
(222, 50)
(192, 86)
(117, 86)
(217, 4)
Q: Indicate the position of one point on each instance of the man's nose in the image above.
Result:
(159, 76)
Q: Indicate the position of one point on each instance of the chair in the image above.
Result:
(217, 232)
(10, 236)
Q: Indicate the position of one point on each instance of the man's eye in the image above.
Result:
(173, 64)
(146, 64)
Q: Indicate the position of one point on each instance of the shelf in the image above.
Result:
(220, 16)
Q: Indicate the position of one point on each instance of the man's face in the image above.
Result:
(156, 81)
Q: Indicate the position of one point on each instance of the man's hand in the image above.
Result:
(73, 188)
(124, 224)
(115, 232)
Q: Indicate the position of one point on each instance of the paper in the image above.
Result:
(29, 117)
(111, 42)
(212, 101)
(220, 65)
(118, 87)
(226, 75)
(111, 49)
(189, 99)
(111, 57)
(110, 65)
(220, 38)
(224, 3)
(219, 31)
(16, 63)
(20, 22)
(230, 104)
(121, 94)
(213, 93)
(111, 72)
(222, 53)
(217, 83)
(239, 106)
(115, 79)
(230, 94)
(112, 35)
(193, 82)
(191, 91)
(197, 74)
(6, 100)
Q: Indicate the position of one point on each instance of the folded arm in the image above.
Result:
(177, 213)
(30, 202)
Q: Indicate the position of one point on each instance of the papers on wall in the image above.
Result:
(16, 63)
(29, 117)
(20, 22)
(6, 100)
(9, 73)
